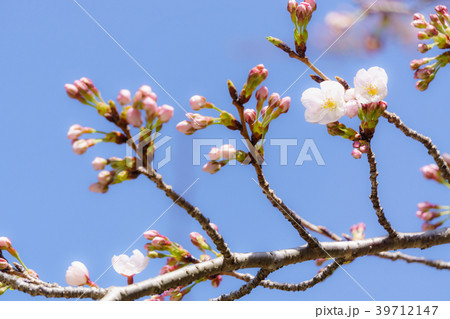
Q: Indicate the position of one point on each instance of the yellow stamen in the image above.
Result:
(329, 104)
(371, 89)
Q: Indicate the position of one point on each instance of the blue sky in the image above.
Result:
(194, 48)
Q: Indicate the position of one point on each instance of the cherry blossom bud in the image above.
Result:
(99, 163)
(263, 111)
(426, 206)
(256, 76)
(134, 117)
(211, 167)
(320, 261)
(250, 116)
(358, 231)
(424, 73)
(441, 9)
(80, 147)
(274, 100)
(312, 3)
(262, 94)
(145, 90)
(228, 151)
(292, 6)
(72, 91)
(304, 12)
(105, 177)
(198, 241)
(199, 121)
(4, 264)
(356, 144)
(156, 298)
(149, 105)
(160, 242)
(124, 97)
(356, 153)
(422, 47)
(420, 24)
(5, 243)
(422, 85)
(432, 172)
(415, 64)
(214, 226)
(352, 108)
(137, 99)
(75, 131)
(78, 275)
(90, 85)
(98, 188)
(285, 103)
(431, 31)
(185, 127)
(165, 113)
(216, 281)
(214, 154)
(427, 216)
(427, 226)
(197, 102)
(150, 234)
(418, 16)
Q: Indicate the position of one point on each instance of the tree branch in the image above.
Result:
(425, 140)
(382, 220)
(348, 250)
(321, 276)
(245, 289)
(438, 264)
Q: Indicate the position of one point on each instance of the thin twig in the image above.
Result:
(247, 288)
(382, 220)
(425, 140)
(438, 264)
(321, 276)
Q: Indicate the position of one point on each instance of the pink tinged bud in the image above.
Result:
(198, 241)
(160, 242)
(420, 24)
(216, 281)
(156, 298)
(292, 6)
(165, 113)
(263, 111)
(134, 117)
(5, 243)
(124, 97)
(422, 85)
(228, 151)
(422, 36)
(352, 108)
(72, 91)
(262, 94)
(274, 99)
(150, 234)
(418, 16)
(105, 177)
(199, 121)
(441, 9)
(80, 147)
(211, 167)
(358, 231)
(356, 154)
(185, 127)
(250, 116)
(98, 188)
(426, 206)
(431, 31)
(99, 163)
(214, 226)
(312, 3)
(427, 226)
(145, 90)
(138, 96)
(90, 85)
(77, 274)
(285, 103)
(75, 131)
(197, 102)
(150, 106)
(214, 154)
(3, 264)
(432, 172)
(304, 11)
(320, 261)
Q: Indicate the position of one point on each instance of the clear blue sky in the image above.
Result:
(193, 48)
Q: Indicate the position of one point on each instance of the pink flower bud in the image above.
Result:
(77, 274)
(432, 172)
(150, 234)
(303, 12)
(262, 94)
(80, 147)
(124, 97)
(156, 298)
(82, 87)
(312, 3)
(292, 6)
(426, 206)
(250, 116)
(358, 231)
(3, 264)
(5, 243)
(199, 121)
(199, 241)
(320, 261)
(441, 9)
(214, 154)
(105, 177)
(134, 117)
(99, 163)
(75, 131)
(90, 85)
(145, 90)
(197, 102)
(185, 127)
(98, 188)
(72, 91)
(285, 103)
(160, 242)
(216, 281)
(228, 151)
(356, 154)
(274, 99)
(431, 31)
(150, 106)
(165, 113)
(418, 16)
(356, 144)
(214, 226)
(211, 167)
(263, 111)
(427, 226)
(138, 96)
(364, 148)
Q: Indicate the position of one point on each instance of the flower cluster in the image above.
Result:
(161, 246)
(428, 212)
(258, 119)
(437, 30)
(301, 15)
(334, 99)
(432, 172)
(140, 111)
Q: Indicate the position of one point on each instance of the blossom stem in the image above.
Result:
(130, 280)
